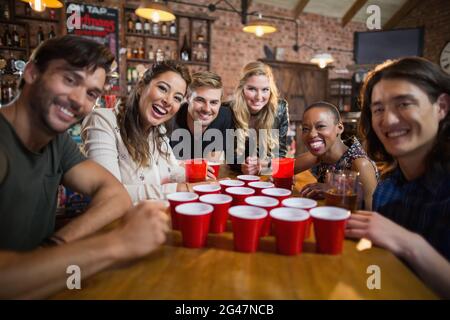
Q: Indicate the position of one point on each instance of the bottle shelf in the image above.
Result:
(22, 17)
(200, 42)
(151, 36)
(139, 60)
(8, 48)
(199, 63)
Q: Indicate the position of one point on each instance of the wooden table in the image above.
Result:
(218, 272)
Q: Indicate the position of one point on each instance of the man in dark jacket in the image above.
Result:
(199, 128)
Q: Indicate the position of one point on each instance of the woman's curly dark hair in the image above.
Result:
(131, 130)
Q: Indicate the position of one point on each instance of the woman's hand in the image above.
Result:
(210, 173)
(251, 166)
(314, 191)
(379, 229)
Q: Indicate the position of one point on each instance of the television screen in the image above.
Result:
(377, 46)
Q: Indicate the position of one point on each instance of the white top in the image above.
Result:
(103, 143)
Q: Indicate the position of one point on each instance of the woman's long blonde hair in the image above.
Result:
(265, 117)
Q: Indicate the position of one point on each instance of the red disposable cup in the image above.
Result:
(221, 204)
(283, 172)
(196, 170)
(176, 199)
(290, 229)
(302, 203)
(267, 203)
(216, 168)
(329, 227)
(239, 194)
(247, 222)
(279, 193)
(203, 189)
(258, 186)
(194, 221)
(247, 178)
(230, 183)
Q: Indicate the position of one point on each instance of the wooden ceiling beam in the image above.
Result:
(299, 8)
(407, 7)
(348, 16)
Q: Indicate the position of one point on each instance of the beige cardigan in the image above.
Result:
(103, 143)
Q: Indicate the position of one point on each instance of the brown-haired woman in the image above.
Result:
(130, 140)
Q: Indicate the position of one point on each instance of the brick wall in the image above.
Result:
(232, 48)
(434, 15)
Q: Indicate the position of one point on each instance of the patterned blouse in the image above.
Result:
(354, 152)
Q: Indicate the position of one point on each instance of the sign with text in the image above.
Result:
(98, 23)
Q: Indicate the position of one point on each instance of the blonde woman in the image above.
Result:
(257, 106)
(130, 141)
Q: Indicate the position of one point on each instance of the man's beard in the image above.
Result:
(41, 100)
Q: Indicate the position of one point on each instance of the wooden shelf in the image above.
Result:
(139, 60)
(200, 42)
(200, 63)
(150, 36)
(3, 21)
(13, 48)
(18, 16)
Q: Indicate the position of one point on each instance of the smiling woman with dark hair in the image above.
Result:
(130, 141)
(321, 134)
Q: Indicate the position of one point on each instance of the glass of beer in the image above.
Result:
(342, 189)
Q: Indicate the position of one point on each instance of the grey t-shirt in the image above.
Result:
(29, 187)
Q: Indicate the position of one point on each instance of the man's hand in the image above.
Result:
(379, 229)
(251, 166)
(314, 191)
(143, 229)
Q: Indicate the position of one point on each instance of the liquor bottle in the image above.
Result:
(129, 53)
(147, 27)
(173, 29)
(164, 29)
(185, 52)
(130, 24)
(6, 13)
(52, 14)
(8, 38)
(2, 65)
(2, 41)
(129, 75)
(3, 93)
(40, 36)
(11, 91)
(134, 75)
(159, 55)
(23, 41)
(155, 29)
(138, 26)
(135, 53)
(27, 9)
(167, 54)
(151, 54)
(141, 53)
(52, 33)
(11, 67)
(15, 37)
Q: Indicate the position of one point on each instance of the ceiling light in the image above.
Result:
(322, 59)
(259, 27)
(155, 11)
(40, 5)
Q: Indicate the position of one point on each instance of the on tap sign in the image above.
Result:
(97, 23)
